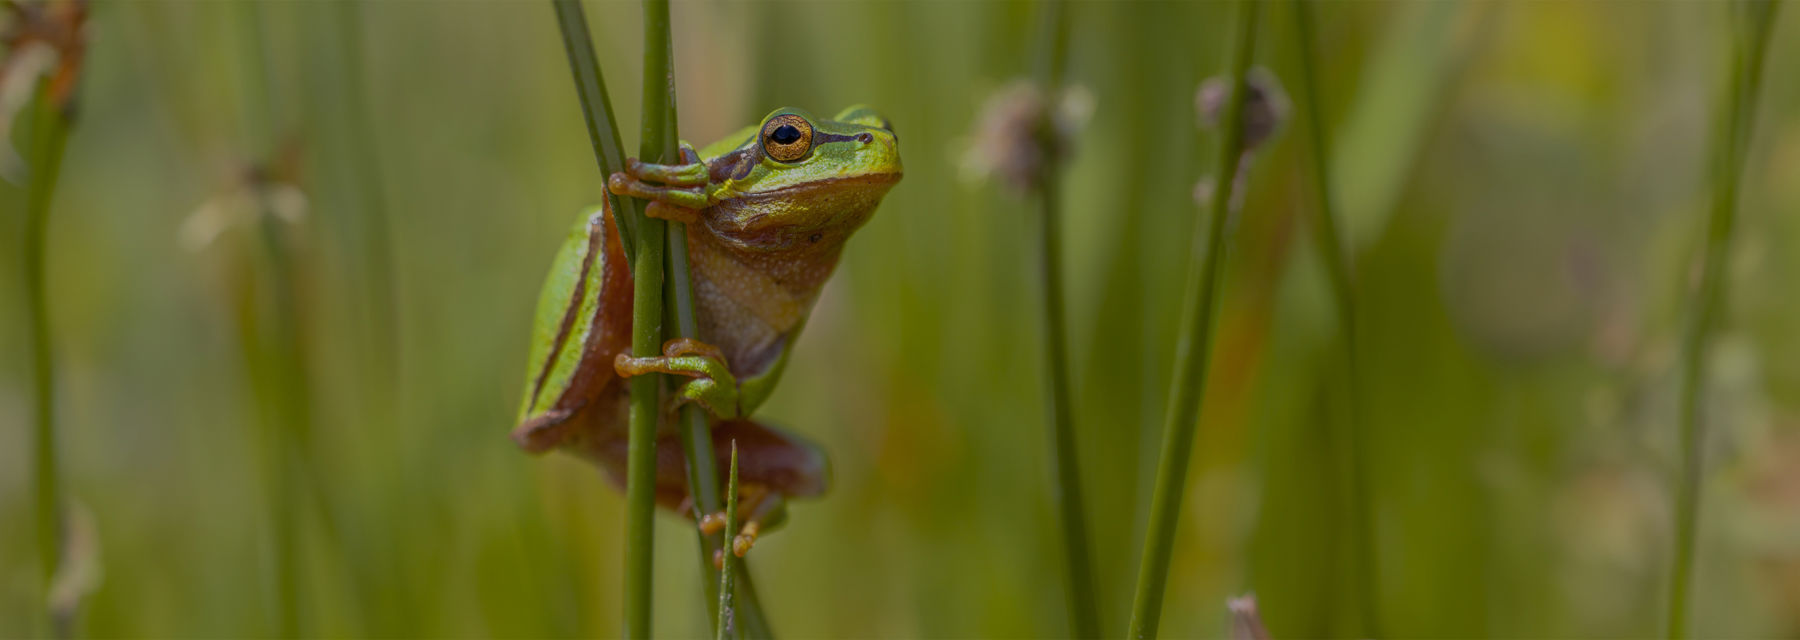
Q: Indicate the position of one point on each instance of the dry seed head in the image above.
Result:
(1246, 622)
(1265, 105)
(1022, 132)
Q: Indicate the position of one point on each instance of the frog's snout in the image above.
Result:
(883, 146)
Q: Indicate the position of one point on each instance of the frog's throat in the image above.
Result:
(777, 288)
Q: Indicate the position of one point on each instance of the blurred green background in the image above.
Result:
(1524, 185)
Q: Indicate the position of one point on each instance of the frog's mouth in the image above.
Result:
(804, 190)
(830, 208)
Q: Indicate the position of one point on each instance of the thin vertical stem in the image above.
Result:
(1065, 487)
(596, 111)
(1193, 348)
(646, 400)
(697, 449)
(1729, 156)
(269, 332)
(1066, 490)
(722, 629)
(48, 140)
(1337, 267)
(376, 243)
(647, 331)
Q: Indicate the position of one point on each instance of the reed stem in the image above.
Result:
(722, 629)
(49, 138)
(1193, 348)
(657, 141)
(1065, 487)
(1728, 163)
(697, 449)
(269, 331)
(375, 240)
(596, 111)
(1328, 241)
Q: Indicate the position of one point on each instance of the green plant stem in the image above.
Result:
(596, 111)
(1065, 486)
(1337, 267)
(1066, 489)
(722, 629)
(376, 242)
(269, 332)
(646, 401)
(697, 449)
(642, 242)
(647, 331)
(695, 428)
(48, 140)
(1728, 162)
(1193, 348)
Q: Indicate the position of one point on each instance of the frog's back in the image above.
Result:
(583, 321)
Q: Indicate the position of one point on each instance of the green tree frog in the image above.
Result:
(768, 211)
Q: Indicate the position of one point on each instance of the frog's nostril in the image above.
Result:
(865, 138)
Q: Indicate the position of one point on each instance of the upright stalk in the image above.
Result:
(596, 111)
(375, 237)
(697, 449)
(722, 628)
(1728, 163)
(269, 332)
(48, 139)
(1065, 488)
(1337, 267)
(657, 141)
(1193, 348)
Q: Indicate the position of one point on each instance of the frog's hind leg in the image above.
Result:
(773, 465)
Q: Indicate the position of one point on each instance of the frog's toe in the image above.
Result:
(745, 539)
(712, 523)
(683, 193)
(691, 173)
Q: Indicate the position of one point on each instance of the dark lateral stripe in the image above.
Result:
(827, 138)
(569, 317)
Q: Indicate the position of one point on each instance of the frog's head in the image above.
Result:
(797, 181)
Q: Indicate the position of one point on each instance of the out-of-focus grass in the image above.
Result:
(1518, 308)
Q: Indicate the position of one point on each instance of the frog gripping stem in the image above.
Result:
(676, 191)
(712, 386)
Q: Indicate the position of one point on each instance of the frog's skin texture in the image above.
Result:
(769, 209)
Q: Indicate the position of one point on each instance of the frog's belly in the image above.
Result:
(750, 343)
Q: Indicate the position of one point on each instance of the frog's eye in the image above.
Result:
(787, 137)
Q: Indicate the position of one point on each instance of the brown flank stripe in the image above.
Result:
(568, 320)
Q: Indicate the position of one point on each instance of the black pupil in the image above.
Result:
(785, 134)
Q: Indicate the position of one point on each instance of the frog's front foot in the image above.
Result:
(713, 386)
(675, 191)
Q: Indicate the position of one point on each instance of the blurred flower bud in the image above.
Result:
(78, 571)
(1265, 105)
(44, 39)
(1022, 133)
(1246, 623)
(258, 191)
